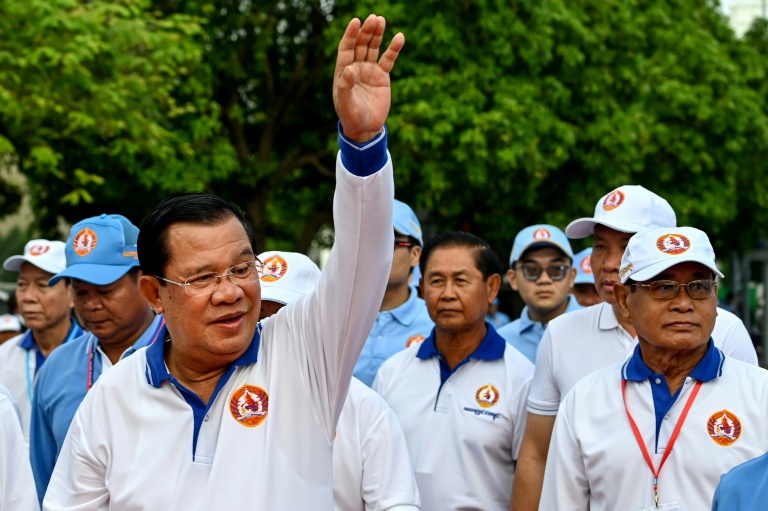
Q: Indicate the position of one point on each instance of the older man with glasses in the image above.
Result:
(658, 430)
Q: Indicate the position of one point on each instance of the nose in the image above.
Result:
(226, 291)
(544, 278)
(683, 301)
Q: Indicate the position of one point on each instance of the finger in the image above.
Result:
(375, 44)
(346, 52)
(387, 61)
(365, 36)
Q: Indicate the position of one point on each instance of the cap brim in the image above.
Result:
(583, 227)
(97, 274)
(541, 244)
(14, 263)
(654, 269)
(279, 294)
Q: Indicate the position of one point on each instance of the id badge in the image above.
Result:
(664, 506)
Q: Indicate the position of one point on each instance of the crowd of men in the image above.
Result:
(171, 367)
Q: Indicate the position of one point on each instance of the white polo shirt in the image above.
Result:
(464, 427)
(17, 487)
(371, 468)
(583, 341)
(595, 461)
(141, 441)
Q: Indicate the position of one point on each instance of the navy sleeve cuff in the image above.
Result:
(363, 159)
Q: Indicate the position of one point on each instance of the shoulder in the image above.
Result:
(10, 346)
(578, 317)
(361, 397)
(515, 359)
(67, 351)
(398, 362)
(598, 381)
(510, 330)
(741, 474)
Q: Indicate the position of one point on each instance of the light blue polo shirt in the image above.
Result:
(393, 331)
(525, 334)
(743, 488)
(60, 388)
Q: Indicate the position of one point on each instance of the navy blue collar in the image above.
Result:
(28, 341)
(491, 347)
(708, 368)
(157, 372)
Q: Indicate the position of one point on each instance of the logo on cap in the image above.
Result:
(274, 269)
(249, 405)
(613, 200)
(487, 396)
(413, 340)
(541, 234)
(38, 250)
(724, 428)
(85, 241)
(586, 265)
(673, 244)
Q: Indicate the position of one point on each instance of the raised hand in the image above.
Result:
(361, 89)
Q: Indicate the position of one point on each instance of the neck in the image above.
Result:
(545, 316)
(675, 365)
(624, 321)
(114, 351)
(200, 381)
(394, 297)
(457, 346)
(50, 338)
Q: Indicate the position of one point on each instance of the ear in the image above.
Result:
(150, 288)
(571, 278)
(493, 284)
(415, 255)
(622, 292)
(511, 277)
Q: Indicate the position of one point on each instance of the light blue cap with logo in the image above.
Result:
(583, 264)
(537, 236)
(406, 222)
(100, 250)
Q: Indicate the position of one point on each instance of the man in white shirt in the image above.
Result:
(17, 487)
(221, 413)
(371, 468)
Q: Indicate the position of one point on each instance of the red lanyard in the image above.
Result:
(672, 439)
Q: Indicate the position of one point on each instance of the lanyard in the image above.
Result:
(672, 439)
(92, 349)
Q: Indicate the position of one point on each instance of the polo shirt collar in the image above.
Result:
(607, 319)
(408, 311)
(525, 319)
(27, 342)
(491, 347)
(157, 371)
(708, 368)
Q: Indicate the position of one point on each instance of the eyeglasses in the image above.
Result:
(532, 272)
(207, 283)
(406, 244)
(668, 289)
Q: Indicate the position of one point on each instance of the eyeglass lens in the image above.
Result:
(532, 272)
(668, 289)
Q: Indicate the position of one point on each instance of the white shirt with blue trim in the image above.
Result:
(583, 341)
(17, 488)
(264, 441)
(463, 427)
(596, 464)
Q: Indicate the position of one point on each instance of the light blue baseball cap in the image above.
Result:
(100, 250)
(406, 222)
(539, 235)
(583, 264)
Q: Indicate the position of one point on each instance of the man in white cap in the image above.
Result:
(403, 318)
(105, 283)
(577, 344)
(658, 430)
(17, 487)
(540, 269)
(47, 312)
(584, 285)
(371, 467)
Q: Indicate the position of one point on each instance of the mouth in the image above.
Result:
(230, 320)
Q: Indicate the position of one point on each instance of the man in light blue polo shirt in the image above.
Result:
(403, 318)
(103, 265)
(540, 269)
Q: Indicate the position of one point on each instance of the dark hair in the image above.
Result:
(485, 258)
(194, 207)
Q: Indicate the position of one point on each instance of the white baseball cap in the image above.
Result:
(46, 255)
(9, 323)
(287, 276)
(629, 208)
(652, 251)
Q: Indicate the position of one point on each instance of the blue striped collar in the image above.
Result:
(491, 347)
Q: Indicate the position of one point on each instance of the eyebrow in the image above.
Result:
(206, 268)
(441, 273)
(559, 259)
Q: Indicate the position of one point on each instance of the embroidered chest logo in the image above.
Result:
(586, 265)
(541, 234)
(413, 340)
(85, 242)
(487, 396)
(38, 250)
(274, 269)
(249, 405)
(673, 244)
(613, 200)
(724, 428)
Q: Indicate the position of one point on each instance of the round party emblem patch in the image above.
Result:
(613, 200)
(586, 265)
(274, 269)
(249, 405)
(413, 340)
(673, 244)
(541, 234)
(38, 250)
(724, 428)
(487, 396)
(85, 241)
